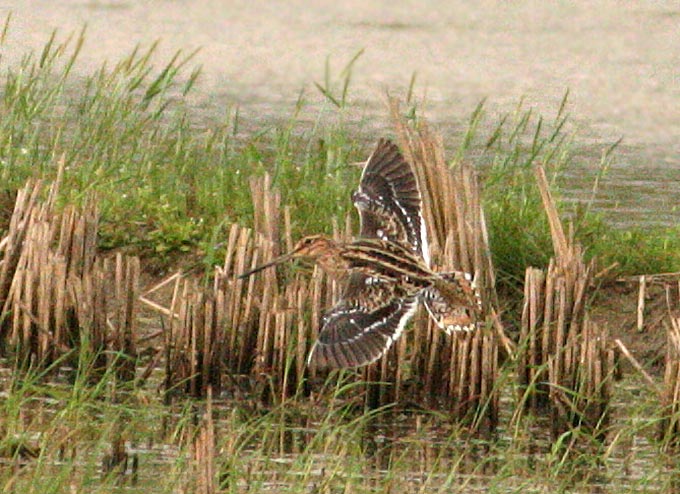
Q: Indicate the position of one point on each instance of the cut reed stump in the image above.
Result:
(194, 344)
(123, 316)
(203, 449)
(669, 426)
(55, 293)
(270, 321)
(566, 364)
(581, 383)
(270, 324)
(258, 330)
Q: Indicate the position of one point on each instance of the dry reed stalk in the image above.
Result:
(91, 297)
(13, 246)
(266, 210)
(203, 448)
(289, 339)
(124, 319)
(580, 396)
(669, 425)
(104, 301)
(54, 294)
(566, 363)
(194, 344)
(12, 243)
(633, 361)
(144, 298)
(270, 322)
(553, 311)
(642, 293)
(537, 303)
(244, 306)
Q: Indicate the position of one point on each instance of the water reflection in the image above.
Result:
(327, 449)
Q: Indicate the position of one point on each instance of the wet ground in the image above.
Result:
(407, 452)
(619, 60)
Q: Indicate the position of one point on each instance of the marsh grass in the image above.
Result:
(520, 234)
(166, 186)
(127, 137)
(295, 447)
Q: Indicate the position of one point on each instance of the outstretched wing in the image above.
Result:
(389, 201)
(364, 324)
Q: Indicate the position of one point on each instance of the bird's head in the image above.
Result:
(312, 246)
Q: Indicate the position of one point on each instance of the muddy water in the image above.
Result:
(620, 60)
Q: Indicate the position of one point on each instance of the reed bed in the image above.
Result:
(56, 295)
(581, 384)
(272, 321)
(193, 345)
(128, 127)
(566, 362)
(257, 330)
(255, 334)
(261, 328)
(459, 371)
(669, 426)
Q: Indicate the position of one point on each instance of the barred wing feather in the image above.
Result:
(389, 201)
(364, 324)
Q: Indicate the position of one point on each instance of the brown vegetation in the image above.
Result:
(57, 295)
(567, 362)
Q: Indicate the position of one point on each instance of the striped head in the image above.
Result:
(314, 246)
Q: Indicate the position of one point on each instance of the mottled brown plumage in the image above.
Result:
(386, 269)
(359, 329)
(375, 258)
(389, 201)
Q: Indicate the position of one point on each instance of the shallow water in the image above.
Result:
(396, 452)
(618, 59)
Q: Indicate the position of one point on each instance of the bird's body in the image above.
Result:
(386, 269)
(380, 259)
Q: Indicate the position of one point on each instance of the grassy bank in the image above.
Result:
(167, 186)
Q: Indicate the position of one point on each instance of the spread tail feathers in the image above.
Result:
(453, 301)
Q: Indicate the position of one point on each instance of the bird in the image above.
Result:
(389, 202)
(386, 269)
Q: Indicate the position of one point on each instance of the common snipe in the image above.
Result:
(387, 269)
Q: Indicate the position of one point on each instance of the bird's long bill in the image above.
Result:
(273, 262)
